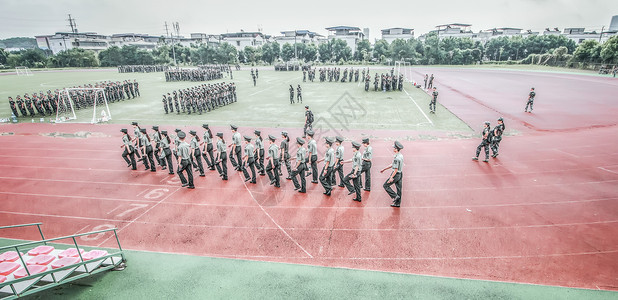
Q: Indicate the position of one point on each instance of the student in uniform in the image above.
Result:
(259, 152)
(338, 161)
(272, 169)
(530, 102)
(354, 176)
(497, 137)
(249, 160)
(176, 143)
(156, 138)
(166, 152)
(484, 143)
(147, 150)
(236, 148)
(312, 149)
(396, 175)
(300, 167)
(434, 99)
(136, 139)
(366, 165)
(208, 148)
(129, 150)
(329, 164)
(184, 163)
(195, 151)
(221, 157)
(285, 154)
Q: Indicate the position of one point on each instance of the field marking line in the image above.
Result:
(275, 222)
(419, 108)
(567, 153)
(81, 229)
(604, 169)
(61, 149)
(78, 197)
(117, 207)
(145, 212)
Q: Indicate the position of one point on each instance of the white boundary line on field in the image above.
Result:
(419, 108)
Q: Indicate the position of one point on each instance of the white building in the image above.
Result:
(350, 35)
(391, 34)
(141, 41)
(69, 40)
(207, 39)
(242, 39)
(299, 36)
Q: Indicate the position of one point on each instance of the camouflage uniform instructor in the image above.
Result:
(484, 143)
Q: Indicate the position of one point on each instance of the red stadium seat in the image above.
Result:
(63, 262)
(94, 254)
(7, 268)
(42, 260)
(40, 250)
(2, 279)
(36, 269)
(71, 252)
(9, 256)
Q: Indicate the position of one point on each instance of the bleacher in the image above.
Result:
(31, 267)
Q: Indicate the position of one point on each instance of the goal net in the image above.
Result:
(403, 68)
(71, 99)
(23, 71)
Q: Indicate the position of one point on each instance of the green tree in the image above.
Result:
(3, 56)
(609, 51)
(380, 49)
(268, 54)
(276, 50)
(363, 47)
(76, 57)
(287, 52)
(225, 54)
(325, 51)
(341, 50)
(588, 51)
(310, 53)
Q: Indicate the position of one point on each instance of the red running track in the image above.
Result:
(545, 211)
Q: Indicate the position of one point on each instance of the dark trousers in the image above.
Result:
(168, 157)
(300, 172)
(250, 165)
(288, 166)
(210, 158)
(484, 144)
(198, 160)
(397, 182)
(126, 155)
(352, 182)
(185, 165)
(495, 144)
(157, 154)
(314, 167)
(260, 161)
(339, 170)
(307, 126)
(273, 171)
(366, 169)
(222, 165)
(325, 180)
(150, 156)
(235, 155)
(432, 106)
(530, 103)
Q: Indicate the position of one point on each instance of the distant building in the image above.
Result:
(141, 41)
(350, 35)
(613, 25)
(207, 39)
(69, 40)
(454, 30)
(242, 39)
(391, 34)
(299, 36)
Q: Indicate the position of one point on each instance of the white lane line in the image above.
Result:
(567, 153)
(145, 212)
(419, 108)
(275, 222)
(604, 169)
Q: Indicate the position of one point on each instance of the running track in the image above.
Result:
(544, 212)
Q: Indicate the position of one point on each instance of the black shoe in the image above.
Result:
(495, 155)
(302, 191)
(171, 173)
(202, 175)
(277, 186)
(224, 178)
(262, 174)
(350, 193)
(191, 187)
(486, 159)
(288, 178)
(313, 181)
(247, 179)
(185, 184)
(153, 170)
(129, 165)
(163, 167)
(327, 193)
(133, 169)
(341, 185)
(296, 188)
(359, 200)
(394, 205)
(475, 158)
(212, 169)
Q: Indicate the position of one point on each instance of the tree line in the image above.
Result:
(544, 49)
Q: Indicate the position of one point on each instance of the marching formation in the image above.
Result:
(47, 104)
(202, 73)
(201, 98)
(142, 68)
(250, 155)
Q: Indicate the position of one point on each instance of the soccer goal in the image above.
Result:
(403, 68)
(23, 71)
(70, 99)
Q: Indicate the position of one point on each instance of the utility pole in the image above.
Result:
(168, 34)
(72, 24)
(601, 35)
(295, 52)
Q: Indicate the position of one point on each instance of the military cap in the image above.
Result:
(487, 123)
(164, 132)
(306, 106)
(271, 137)
(134, 123)
(220, 134)
(155, 127)
(181, 135)
(234, 127)
(532, 88)
(339, 139)
(177, 130)
(300, 141)
(192, 132)
(205, 126)
(366, 141)
(123, 130)
(143, 130)
(247, 138)
(257, 132)
(500, 119)
(310, 132)
(329, 140)
(284, 133)
(356, 145)
(398, 145)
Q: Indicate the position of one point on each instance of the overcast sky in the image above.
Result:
(39, 17)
